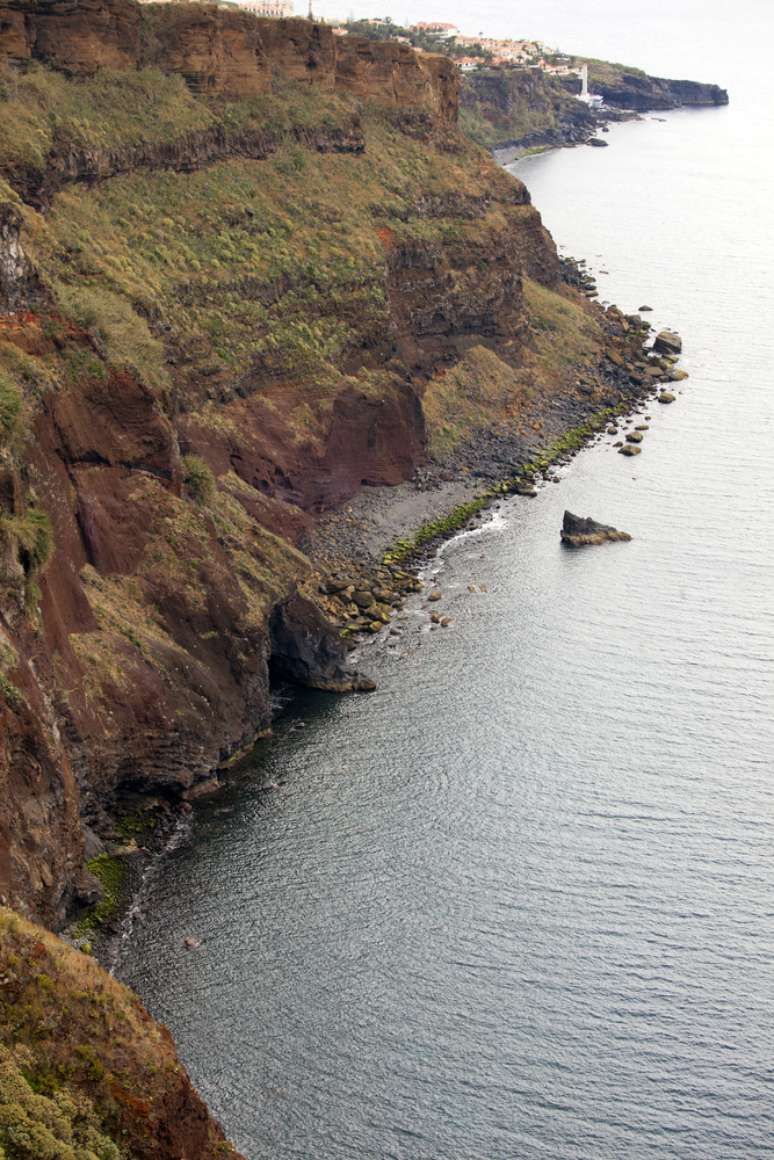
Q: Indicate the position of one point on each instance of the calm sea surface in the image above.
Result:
(519, 903)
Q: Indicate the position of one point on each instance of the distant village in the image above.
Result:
(469, 52)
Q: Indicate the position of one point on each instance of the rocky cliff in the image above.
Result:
(236, 256)
(527, 108)
(84, 1071)
(522, 108)
(222, 52)
(630, 88)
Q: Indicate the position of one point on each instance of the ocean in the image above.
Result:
(519, 903)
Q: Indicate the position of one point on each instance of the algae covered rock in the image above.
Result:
(582, 531)
(666, 397)
(629, 449)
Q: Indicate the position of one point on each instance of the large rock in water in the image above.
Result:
(667, 342)
(579, 531)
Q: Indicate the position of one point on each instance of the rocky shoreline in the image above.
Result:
(374, 554)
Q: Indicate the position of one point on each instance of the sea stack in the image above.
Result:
(580, 531)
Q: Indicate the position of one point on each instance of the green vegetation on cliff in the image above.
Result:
(85, 1073)
(231, 303)
(522, 106)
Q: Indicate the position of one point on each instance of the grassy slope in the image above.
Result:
(606, 72)
(265, 278)
(182, 247)
(536, 104)
(85, 1073)
(482, 392)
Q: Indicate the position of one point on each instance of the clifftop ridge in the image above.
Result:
(222, 52)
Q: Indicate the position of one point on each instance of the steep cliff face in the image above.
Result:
(522, 108)
(527, 108)
(84, 1070)
(80, 38)
(229, 53)
(629, 88)
(236, 257)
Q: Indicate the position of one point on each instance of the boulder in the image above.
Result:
(598, 144)
(362, 598)
(667, 342)
(629, 449)
(634, 437)
(677, 376)
(334, 585)
(666, 397)
(435, 594)
(582, 531)
(644, 308)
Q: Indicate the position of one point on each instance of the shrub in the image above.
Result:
(198, 479)
(10, 408)
(33, 532)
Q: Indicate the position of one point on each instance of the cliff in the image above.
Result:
(522, 108)
(629, 88)
(222, 52)
(84, 1070)
(528, 108)
(236, 257)
(246, 268)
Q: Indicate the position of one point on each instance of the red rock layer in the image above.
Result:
(223, 52)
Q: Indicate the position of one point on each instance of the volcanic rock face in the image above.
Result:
(226, 290)
(79, 37)
(634, 90)
(582, 531)
(306, 649)
(18, 281)
(522, 109)
(223, 52)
